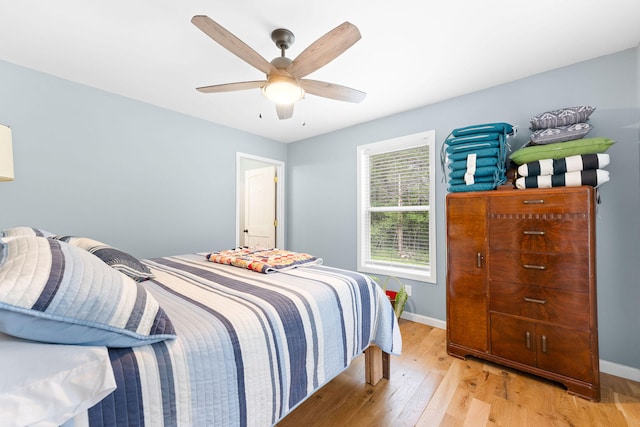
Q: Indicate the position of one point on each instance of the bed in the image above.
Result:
(213, 344)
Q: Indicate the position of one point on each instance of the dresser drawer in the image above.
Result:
(559, 271)
(543, 202)
(566, 308)
(561, 233)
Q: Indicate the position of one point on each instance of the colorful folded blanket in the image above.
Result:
(263, 260)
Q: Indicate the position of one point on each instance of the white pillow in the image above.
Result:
(47, 384)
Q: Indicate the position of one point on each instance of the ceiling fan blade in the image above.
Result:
(324, 50)
(285, 111)
(332, 91)
(232, 43)
(229, 87)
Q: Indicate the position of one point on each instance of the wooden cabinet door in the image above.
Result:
(513, 339)
(565, 351)
(466, 278)
(550, 347)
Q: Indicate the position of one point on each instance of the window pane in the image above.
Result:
(396, 229)
(400, 237)
(400, 178)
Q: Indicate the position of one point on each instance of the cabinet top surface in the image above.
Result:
(509, 191)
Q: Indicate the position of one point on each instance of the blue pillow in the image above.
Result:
(53, 292)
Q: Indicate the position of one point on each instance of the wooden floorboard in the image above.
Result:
(429, 388)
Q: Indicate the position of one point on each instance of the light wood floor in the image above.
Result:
(429, 388)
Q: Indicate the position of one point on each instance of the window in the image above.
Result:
(396, 227)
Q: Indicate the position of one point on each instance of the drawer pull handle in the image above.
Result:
(479, 259)
(533, 202)
(533, 233)
(527, 337)
(534, 267)
(535, 300)
(544, 344)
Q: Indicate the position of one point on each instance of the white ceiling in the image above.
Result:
(412, 52)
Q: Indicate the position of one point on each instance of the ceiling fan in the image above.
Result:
(285, 84)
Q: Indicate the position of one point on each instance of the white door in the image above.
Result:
(260, 207)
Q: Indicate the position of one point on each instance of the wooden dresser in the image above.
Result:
(521, 282)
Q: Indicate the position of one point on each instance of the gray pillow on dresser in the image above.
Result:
(562, 117)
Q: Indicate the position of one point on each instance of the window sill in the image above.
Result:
(418, 275)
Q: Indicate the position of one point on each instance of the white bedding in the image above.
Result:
(47, 384)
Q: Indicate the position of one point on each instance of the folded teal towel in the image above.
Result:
(481, 186)
(486, 152)
(473, 138)
(480, 162)
(483, 128)
(477, 179)
(472, 147)
(483, 171)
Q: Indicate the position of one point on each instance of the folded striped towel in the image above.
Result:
(564, 165)
(592, 177)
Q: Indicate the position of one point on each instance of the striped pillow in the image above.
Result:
(115, 258)
(53, 292)
(24, 231)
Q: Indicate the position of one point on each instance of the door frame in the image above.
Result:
(280, 195)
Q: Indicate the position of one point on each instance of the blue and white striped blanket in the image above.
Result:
(250, 347)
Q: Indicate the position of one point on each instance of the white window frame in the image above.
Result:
(366, 265)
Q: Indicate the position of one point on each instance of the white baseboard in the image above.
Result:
(618, 370)
(610, 368)
(429, 321)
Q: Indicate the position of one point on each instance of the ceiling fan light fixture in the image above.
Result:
(283, 90)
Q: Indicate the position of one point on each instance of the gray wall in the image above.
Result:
(141, 178)
(155, 183)
(322, 182)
